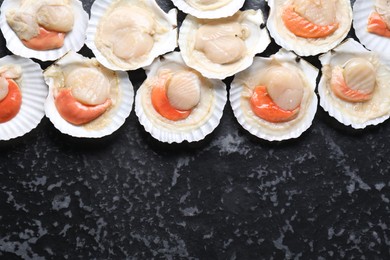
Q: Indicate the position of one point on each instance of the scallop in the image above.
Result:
(209, 9)
(86, 99)
(59, 18)
(219, 48)
(183, 90)
(274, 99)
(376, 11)
(309, 27)
(22, 96)
(127, 35)
(355, 86)
(43, 29)
(176, 103)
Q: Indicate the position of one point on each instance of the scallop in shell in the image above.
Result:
(43, 29)
(220, 48)
(363, 12)
(209, 9)
(309, 27)
(355, 85)
(86, 99)
(130, 34)
(274, 99)
(22, 96)
(176, 103)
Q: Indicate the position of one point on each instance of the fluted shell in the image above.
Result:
(34, 92)
(361, 11)
(244, 83)
(209, 9)
(121, 94)
(74, 40)
(204, 117)
(147, 42)
(361, 114)
(339, 11)
(229, 43)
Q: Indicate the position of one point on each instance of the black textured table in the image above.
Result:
(325, 195)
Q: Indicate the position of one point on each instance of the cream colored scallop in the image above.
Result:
(222, 43)
(11, 71)
(214, 29)
(59, 18)
(359, 74)
(284, 86)
(3, 88)
(222, 47)
(183, 91)
(133, 17)
(127, 35)
(88, 85)
(128, 32)
(383, 8)
(23, 24)
(131, 44)
(321, 12)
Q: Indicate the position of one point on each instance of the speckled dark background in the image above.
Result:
(325, 195)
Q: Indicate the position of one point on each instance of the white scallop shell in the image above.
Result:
(166, 42)
(339, 56)
(251, 125)
(74, 40)
(303, 46)
(168, 136)
(257, 42)
(34, 92)
(361, 11)
(117, 118)
(224, 11)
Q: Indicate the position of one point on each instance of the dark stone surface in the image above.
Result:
(325, 195)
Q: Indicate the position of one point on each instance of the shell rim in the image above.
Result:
(300, 128)
(39, 112)
(194, 135)
(71, 43)
(263, 42)
(325, 103)
(96, 15)
(119, 117)
(288, 45)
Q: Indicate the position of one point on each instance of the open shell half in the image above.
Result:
(203, 118)
(356, 114)
(34, 92)
(121, 93)
(242, 89)
(74, 40)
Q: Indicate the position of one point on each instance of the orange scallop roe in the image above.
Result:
(161, 102)
(75, 112)
(377, 25)
(10, 105)
(45, 40)
(302, 27)
(263, 106)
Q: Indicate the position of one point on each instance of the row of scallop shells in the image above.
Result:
(85, 32)
(35, 106)
(98, 10)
